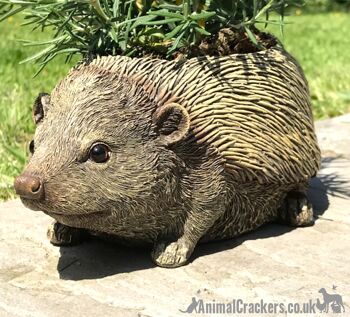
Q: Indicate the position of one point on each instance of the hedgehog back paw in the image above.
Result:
(296, 210)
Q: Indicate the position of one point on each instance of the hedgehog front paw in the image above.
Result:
(62, 235)
(172, 254)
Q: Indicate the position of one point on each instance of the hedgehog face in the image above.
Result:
(101, 147)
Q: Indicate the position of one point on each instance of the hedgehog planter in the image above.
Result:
(173, 153)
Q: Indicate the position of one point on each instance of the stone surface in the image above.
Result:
(275, 264)
(334, 135)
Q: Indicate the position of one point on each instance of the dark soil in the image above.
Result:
(230, 41)
(226, 42)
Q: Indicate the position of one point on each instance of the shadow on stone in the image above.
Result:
(265, 231)
(98, 259)
(318, 197)
(329, 183)
(336, 183)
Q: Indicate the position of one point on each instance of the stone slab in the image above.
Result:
(275, 264)
(334, 135)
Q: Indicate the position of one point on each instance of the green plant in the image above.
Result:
(135, 27)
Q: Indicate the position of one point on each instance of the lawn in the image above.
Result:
(320, 42)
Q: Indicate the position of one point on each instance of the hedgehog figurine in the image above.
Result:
(173, 153)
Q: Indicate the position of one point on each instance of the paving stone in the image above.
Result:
(334, 135)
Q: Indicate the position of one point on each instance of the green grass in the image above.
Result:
(320, 42)
(18, 90)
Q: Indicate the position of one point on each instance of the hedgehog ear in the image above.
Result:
(172, 122)
(40, 107)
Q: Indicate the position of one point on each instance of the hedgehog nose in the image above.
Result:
(29, 187)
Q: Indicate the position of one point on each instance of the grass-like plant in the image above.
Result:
(138, 27)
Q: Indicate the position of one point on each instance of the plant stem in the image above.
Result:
(186, 8)
(97, 6)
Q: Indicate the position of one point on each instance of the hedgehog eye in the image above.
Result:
(31, 147)
(99, 153)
